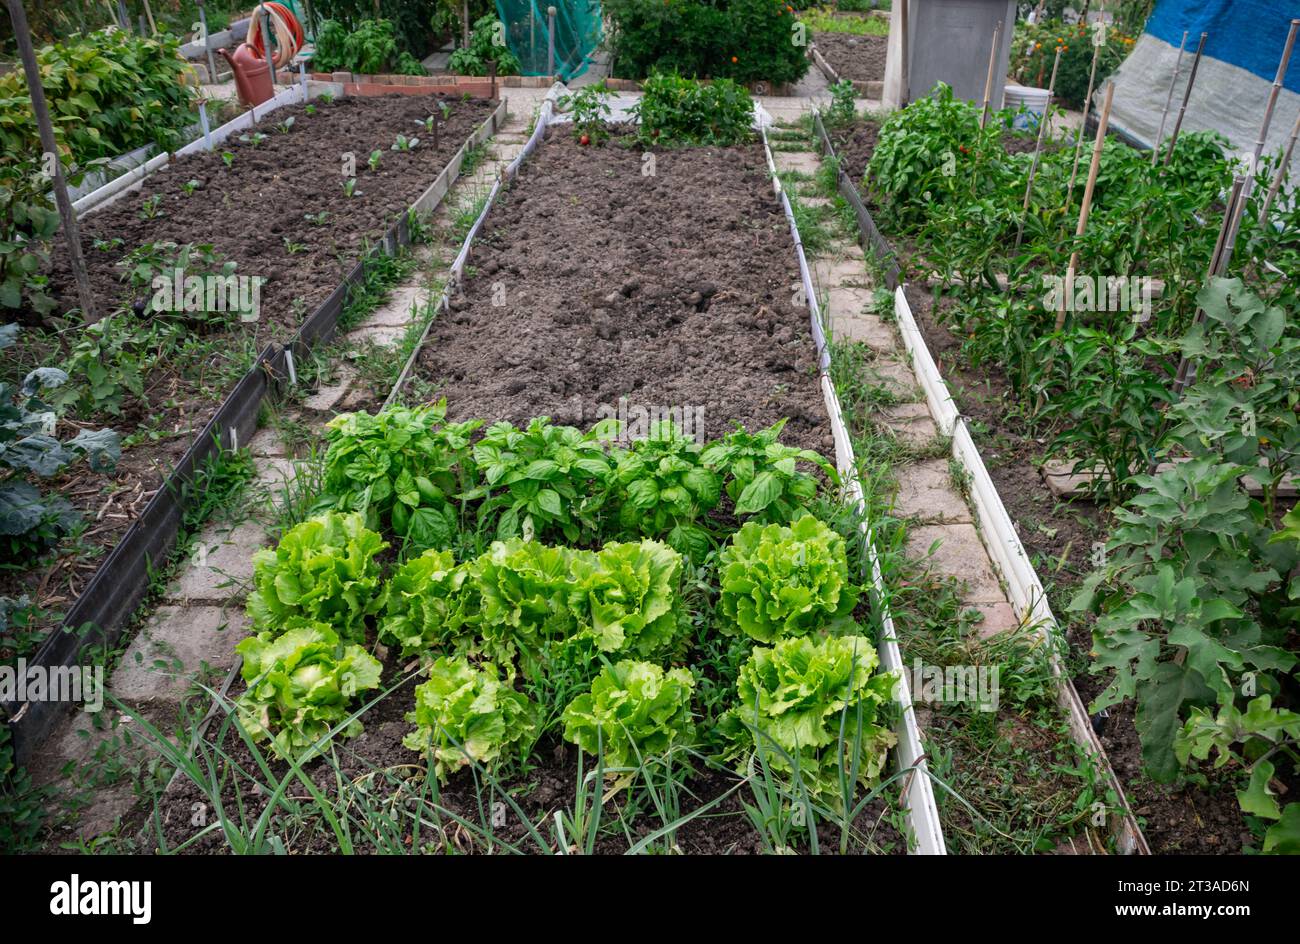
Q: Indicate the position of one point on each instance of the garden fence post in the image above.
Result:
(1169, 99)
(550, 41)
(988, 80)
(1191, 80)
(207, 43)
(23, 39)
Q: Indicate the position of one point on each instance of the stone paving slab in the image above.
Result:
(173, 647)
(910, 422)
(999, 618)
(220, 567)
(804, 162)
(401, 308)
(959, 553)
(829, 272)
(325, 398)
(867, 329)
(925, 490)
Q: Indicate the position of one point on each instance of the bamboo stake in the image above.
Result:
(1038, 148)
(1218, 265)
(153, 27)
(988, 81)
(1078, 138)
(1281, 171)
(1169, 100)
(1085, 205)
(23, 39)
(1191, 80)
(1263, 133)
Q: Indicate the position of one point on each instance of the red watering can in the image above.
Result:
(252, 75)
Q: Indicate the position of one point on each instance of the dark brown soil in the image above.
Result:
(251, 212)
(856, 58)
(1058, 537)
(854, 146)
(672, 290)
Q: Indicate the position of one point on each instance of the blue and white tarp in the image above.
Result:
(1242, 51)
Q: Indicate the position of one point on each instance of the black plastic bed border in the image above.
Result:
(868, 233)
(121, 582)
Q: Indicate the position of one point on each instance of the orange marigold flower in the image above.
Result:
(734, 59)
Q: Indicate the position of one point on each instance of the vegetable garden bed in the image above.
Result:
(734, 342)
(970, 330)
(184, 377)
(1024, 589)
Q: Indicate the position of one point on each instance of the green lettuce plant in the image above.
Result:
(634, 710)
(429, 602)
(632, 596)
(529, 595)
(402, 468)
(301, 684)
(779, 581)
(323, 569)
(817, 705)
(467, 715)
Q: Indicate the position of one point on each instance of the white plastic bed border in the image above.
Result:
(1024, 590)
(919, 792)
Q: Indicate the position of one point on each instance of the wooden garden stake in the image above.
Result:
(23, 39)
(988, 80)
(1281, 171)
(1085, 205)
(1259, 143)
(1078, 138)
(1169, 100)
(122, 15)
(153, 27)
(1218, 265)
(1038, 148)
(1191, 80)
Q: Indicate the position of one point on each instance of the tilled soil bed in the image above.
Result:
(856, 58)
(592, 282)
(253, 210)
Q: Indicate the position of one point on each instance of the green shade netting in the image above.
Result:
(577, 33)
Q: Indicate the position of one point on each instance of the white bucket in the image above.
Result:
(1033, 100)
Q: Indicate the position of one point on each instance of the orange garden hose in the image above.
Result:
(289, 37)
